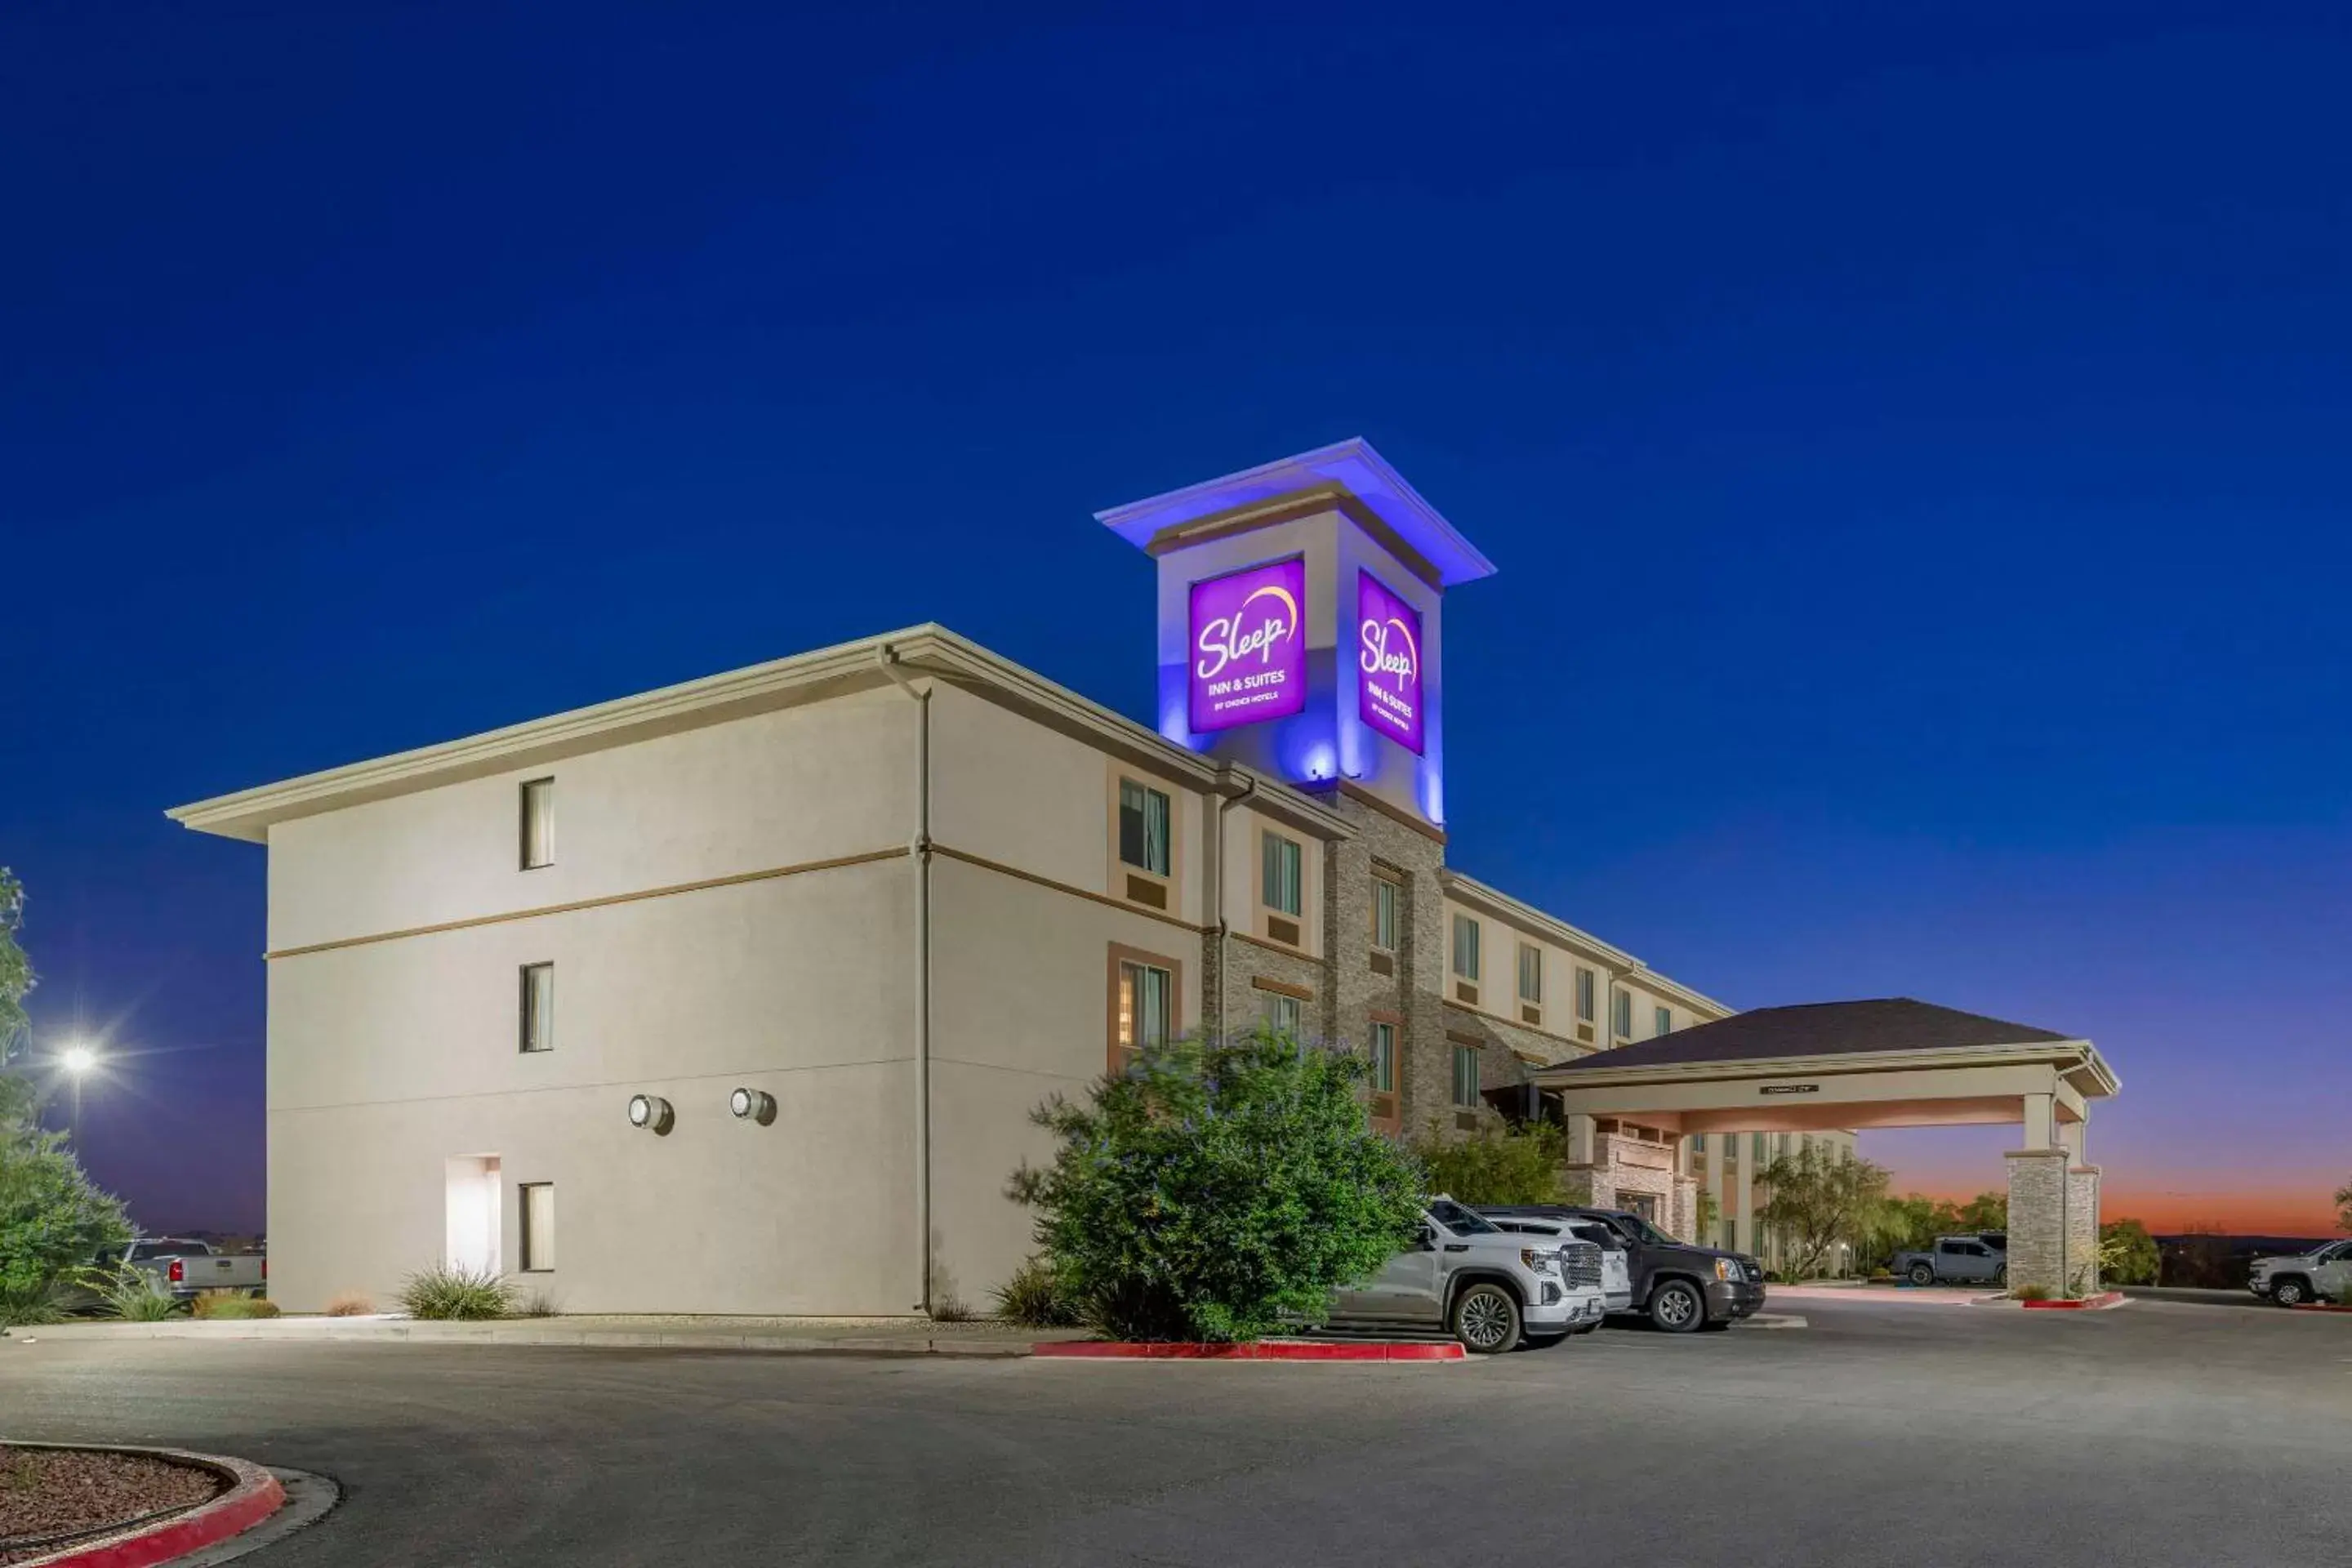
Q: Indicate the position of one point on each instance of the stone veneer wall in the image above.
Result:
(2082, 1228)
(2037, 1197)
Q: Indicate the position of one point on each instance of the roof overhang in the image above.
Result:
(2078, 1063)
(1346, 469)
(921, 651)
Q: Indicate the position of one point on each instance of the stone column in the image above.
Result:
(2082, 1228)
(1743, 1213)
(1583, 1178)
(2039, 1219)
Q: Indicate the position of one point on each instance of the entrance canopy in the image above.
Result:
(1832, 1065)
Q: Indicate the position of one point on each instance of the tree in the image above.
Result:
(2343, 1207)
(1820, 1198)
(1215, 1190)
(1497, 1163)
(1985, 1211)
(2128, 1253)
(52, 1219)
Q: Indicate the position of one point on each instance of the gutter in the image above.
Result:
(919, 858)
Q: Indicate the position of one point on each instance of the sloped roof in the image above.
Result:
(1820, 1029)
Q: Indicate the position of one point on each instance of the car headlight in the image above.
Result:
(1539, 1261)
(1725, 1269)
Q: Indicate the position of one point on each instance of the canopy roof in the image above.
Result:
(1821, 1029)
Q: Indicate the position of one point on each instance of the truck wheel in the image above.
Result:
(2288, 1292)
(1923, 1274)
(1677, 1308)
(1485, 1320)
(2000, 1277)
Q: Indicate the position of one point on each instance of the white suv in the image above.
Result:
(1486, 1286)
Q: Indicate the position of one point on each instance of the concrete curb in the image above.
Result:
(2318, 1307)
(1265, 1350)
(2098, 1303)
(511, 1333)
(253, 1494)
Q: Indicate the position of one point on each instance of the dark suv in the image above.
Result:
(1679, 1286)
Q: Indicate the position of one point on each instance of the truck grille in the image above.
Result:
(1579, 1263)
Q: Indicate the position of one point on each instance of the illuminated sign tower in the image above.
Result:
(1300, 613)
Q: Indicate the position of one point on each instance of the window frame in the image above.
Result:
(1120, 875)
(1394, 900)
(1620, 1014)
(1661, 1021)
(527, 1232)
(1165, 870)
(1383, 1035)
(527, 816)
(1588, 983)
(529, 1011)
(1466, 923)
(1116, 1049)
(1531, 949)
(1269, 846)
(1469, 1054)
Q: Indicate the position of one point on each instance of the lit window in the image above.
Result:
(1623, 1011)
(1384, 914)
(1383, 1059)
(1584, 995)
(1466, 1075)
(1281, 886)
(1146, 992)
(1143, 828)
(1280, 1013)
(1465, 947)
(538, 1227)
(1663, 1021)
(538, 823)
(1530, 974)
(539, 1006)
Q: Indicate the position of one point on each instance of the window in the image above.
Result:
(1384, 914)
(1698, 1142)
(1466, 1075)
(1459, 1220)
(1530, 974)
(1144, 1006)
(1281, 887)
(1756, 1147)
(1622, 1014)
(538, 1008)
(1663, 1021)
(538, 1227)
(1280, 1013)
(1465, 947)
(1143, 828)
(1584, 995)
(1383, 1059)
(538, 823)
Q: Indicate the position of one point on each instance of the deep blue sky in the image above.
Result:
(1914, 448)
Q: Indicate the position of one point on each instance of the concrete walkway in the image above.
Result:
(868, 1336)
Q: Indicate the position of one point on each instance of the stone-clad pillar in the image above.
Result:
(2038, 1219)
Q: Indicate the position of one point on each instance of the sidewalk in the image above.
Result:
(869, 1336)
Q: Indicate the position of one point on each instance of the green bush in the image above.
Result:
(1034, 1298)
(224, 1305)
(446, 1293)
(1498, 1164)
(2127, 1254)
(132, 1295)
(1217, 1189)
(2032, 1293)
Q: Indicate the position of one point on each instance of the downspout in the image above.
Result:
(919, 855)
(1225, 805)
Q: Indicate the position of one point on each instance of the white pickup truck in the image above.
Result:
(184, 1268)
(1486, 1286)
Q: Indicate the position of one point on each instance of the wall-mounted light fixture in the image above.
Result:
(650, 1111)
(752, 1105)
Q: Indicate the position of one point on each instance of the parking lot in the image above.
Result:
(2159, 1433)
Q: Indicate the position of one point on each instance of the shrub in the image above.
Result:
(351, 1304)
(1034, 1298)
(947, 1307)
(1497, 1163)
(446, 1293)
(538, 1304)
(2128, 1255)
(1215, 1189)
(132, 1295)
(223, 1305)
(2032, 1293)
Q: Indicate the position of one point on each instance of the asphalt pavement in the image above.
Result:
(2154, 1434)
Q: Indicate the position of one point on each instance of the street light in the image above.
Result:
(79, 1059)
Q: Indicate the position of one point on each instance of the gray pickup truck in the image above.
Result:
(2323, 1274)
(1978, 1260)
(1484, 1285)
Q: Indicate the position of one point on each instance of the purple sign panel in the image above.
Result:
(1388, 640)
(1249, 646)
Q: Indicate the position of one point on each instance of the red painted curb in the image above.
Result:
(253, 1497)
(2089, 1303)
(2318, 1307)
(1266, 1350)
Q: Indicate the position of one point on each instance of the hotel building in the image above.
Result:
(736, 996)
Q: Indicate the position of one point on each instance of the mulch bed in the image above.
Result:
(45, 1493)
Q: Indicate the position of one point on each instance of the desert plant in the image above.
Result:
(2031, 1293)
(536, 1304)
(131, 1294)
(226, 1305)
(1034, 1298)
(351, 1304)
(2127, 1254)
(446, 1291)
(1497, 1164)
(1819, 1199)
(1216, 1189)
(947, 1307)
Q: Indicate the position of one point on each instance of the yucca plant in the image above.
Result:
(1033, 1297)
(132, 1295)
(224, 1305)
(444, 1291)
